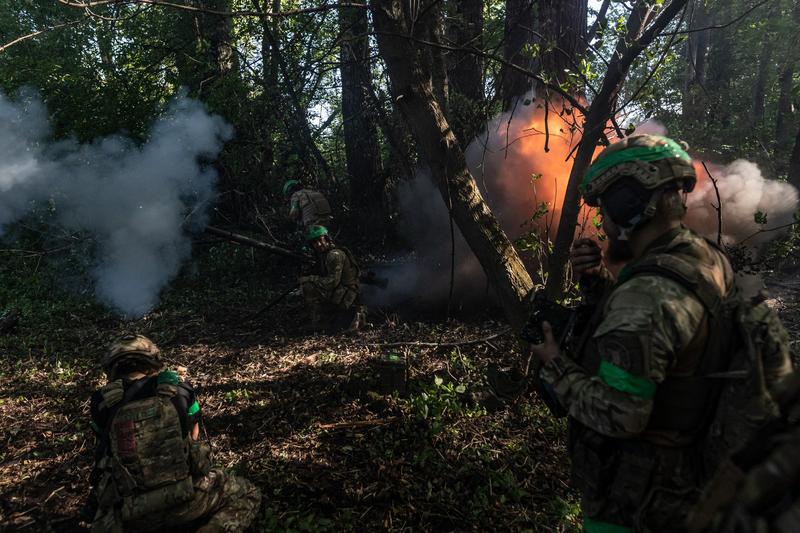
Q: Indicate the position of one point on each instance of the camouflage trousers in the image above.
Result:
(229, 503)
(320, 301)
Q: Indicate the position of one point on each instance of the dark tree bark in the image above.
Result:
(794, 163)
(783, 119)
(360, 130)
(413, 91)
(719, 75)
(518, 38)
(760, 86)
(465, 68)
(562, 33)
(696, 62)
(205, 52)
(785, 111)
(269, 79)
(643, 26)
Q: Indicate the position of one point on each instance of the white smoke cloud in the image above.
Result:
(743, 192)
(131, 198)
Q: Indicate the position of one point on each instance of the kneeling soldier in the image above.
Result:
(335, 290)
(152, 472)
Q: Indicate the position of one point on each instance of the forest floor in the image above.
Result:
(297, 413)
(300, 414)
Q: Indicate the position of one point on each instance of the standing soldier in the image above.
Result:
(151, 471)
(635, 384)
(334, 292)
(307, 207)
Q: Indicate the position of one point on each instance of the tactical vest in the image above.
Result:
(315, 209)
(149, 458)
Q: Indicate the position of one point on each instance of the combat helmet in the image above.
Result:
(651, 160)
(127, 347)
(289, 185)
(315, 232)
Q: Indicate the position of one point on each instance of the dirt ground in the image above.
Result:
(301, 414)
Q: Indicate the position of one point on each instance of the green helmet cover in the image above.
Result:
(652, 160)
(288, 185)
(315, 232)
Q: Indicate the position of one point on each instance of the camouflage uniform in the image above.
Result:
(758, 488)
(152, 474)
(337, 286)
(310, 208)
(631, 440)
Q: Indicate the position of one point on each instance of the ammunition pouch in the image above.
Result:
(139, 506)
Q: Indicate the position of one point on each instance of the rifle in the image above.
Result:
(562, 321)
(272, 302)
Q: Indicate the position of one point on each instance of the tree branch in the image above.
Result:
(241, 13)
(18, 40)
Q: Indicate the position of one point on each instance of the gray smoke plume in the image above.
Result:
(131, 198)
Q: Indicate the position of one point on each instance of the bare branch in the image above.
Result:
(18, 40)
(186, 7)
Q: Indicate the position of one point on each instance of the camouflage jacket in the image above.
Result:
(337, 270)
(646, 325)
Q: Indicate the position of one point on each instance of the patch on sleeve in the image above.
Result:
(627, 352)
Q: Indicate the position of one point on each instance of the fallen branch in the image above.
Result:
(442, 344)
(359, 423)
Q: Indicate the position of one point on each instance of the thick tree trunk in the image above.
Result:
(465, 68)
(696, 62)
(519, 22)
(783, 120)
(639, 35)
(562, 26)
(760, 86)
(206, 52)
(360, 132)
(794, 163)
(414, 93)
(269, 77)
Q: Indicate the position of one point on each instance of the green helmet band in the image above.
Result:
(315, 232)
(288, 186)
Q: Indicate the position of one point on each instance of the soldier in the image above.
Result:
(756, 489)
(307, 207)
(335, 290)
(152, 472)
(634, 383)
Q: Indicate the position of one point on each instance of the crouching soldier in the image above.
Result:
(151, 470)
(333, 294)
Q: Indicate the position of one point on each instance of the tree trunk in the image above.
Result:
(465, 69)
(562, 26)
(414, 93)
(269, 77)
(639, 36)
(518, 38)
(794, 163)
(360, 132)
(783, 120)
(760, 86)
(696, 62)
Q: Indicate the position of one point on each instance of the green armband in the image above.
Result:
(619, 379)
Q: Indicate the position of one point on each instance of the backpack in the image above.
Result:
(148, 455)
(746, 353)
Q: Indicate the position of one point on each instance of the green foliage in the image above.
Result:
(439, 402)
